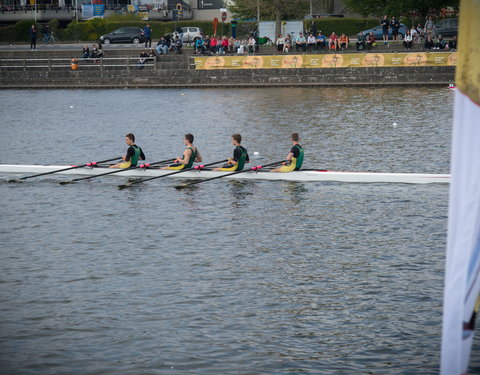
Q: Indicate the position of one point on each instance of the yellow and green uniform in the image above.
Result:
(193, 156)
(134, 153)
(240, 155)
(297, 160)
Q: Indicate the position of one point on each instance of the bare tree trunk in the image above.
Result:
(278, 23)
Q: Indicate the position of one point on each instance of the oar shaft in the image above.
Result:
(233, 173)
(120, 170)
(170, 174)
(69, 168)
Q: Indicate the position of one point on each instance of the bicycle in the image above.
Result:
(49, 39)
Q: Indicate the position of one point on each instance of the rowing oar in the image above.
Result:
(197, 167)
(116, 171)
(92, 164)
(255, 169)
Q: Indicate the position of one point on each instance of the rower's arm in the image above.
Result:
(142, 155)
(186, 157)
(199, 157)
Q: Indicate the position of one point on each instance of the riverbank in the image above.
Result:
(50, 67)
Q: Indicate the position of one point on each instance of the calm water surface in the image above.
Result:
(231, 277)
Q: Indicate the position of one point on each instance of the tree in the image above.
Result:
(271, 9)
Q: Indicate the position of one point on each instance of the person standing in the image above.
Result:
(147, 31)
(189, 156)
(429, 26)
(240, 156)
(134, 154)
(33, 37)
(395, 24)
(385, 25)
(280, 42)
(294, 159)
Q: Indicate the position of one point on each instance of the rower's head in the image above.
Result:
(295, 137)
(189, 138)
(130, 139)
(236, 139)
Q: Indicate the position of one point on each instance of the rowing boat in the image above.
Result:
(304, 175)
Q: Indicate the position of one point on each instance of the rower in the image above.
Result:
(189, 156)
(240, 156)
(294, 157)
(134, 153)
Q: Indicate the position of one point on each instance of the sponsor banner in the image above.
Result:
(89, 11)
(344, 60)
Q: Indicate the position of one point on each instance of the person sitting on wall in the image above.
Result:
(199, 47)
(301, 43)
(429, 44)
(452, 44)
(142, 60)
(408, 40)
(287, 44)
(333, 42)
(162, 46)
(371, 41)
(280, 43)
(343, 41)
(177, 45)
(311, 42)
(321, 41)
(85, 52)
(440, 43)
(360, 41)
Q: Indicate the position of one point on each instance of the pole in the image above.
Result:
(258, 10)
(76, 10)
(311, 8)
(35, 11)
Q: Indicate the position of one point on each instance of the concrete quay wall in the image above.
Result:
(177, 71)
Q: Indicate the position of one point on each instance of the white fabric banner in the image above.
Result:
(463, 251)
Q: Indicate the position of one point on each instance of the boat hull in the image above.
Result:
(307, 175)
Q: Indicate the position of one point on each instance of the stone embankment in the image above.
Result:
(51, 68)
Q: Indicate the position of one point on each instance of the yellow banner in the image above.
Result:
(346, 60)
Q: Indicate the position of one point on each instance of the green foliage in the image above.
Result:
(270, 9)
(349, 26)
(398, 8)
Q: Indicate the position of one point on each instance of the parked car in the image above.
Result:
(378, 32)
(447, 27)
(190, 34)
(124, 35)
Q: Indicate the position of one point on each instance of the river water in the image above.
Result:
(232, 277)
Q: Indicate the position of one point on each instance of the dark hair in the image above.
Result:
(237, 138)
(295, 137)
(189, 137)
(131, 137)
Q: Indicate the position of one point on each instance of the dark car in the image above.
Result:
(124, 35)
(447, 27)
(378, 32)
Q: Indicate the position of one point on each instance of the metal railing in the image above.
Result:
(83, 63)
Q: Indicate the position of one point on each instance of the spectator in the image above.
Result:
(213, 44)
(429, 26)
(310, 43)
(280, 42)
(177, 45)
(224, 44)
(321, 41)
(429, 42)
(371, 41)
(33, 38)
(199, 46)
(385, 25)
(206, 43)
(142, 60)
(151, 55)
(408, 40)
(360, 41)
(241, 47)
(179, 31)
(395, 26)
(452, 44)
(301, 43)
(85, 52)
(440, 43)
(46, 34)
(287, 44)
(414, 34)
(333, 41)
(147, 31)
(231, 45)
(251, 44)
(343, 41)
(162, 46)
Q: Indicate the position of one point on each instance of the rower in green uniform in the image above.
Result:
(240, 156)
(134, 154)
(294, 158)
(189, 156)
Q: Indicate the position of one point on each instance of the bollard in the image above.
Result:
(74, 64)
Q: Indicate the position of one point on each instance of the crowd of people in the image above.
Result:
(96, 52)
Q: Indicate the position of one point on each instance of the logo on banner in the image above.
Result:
(214, 62)
(373, 59)
(253, 62)
(332, 61)
(292, 62)
(416, 59)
